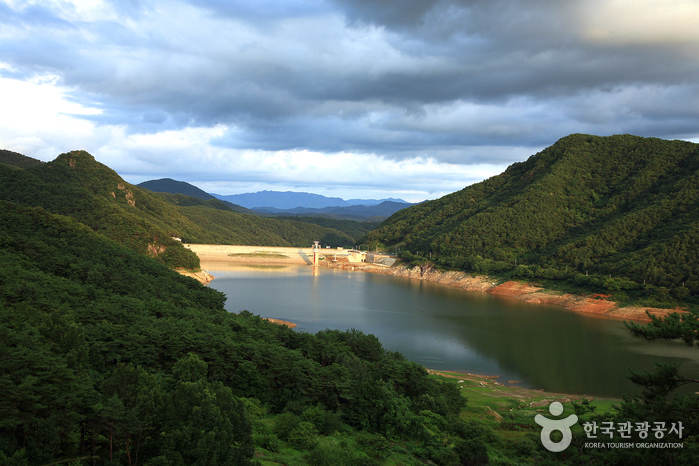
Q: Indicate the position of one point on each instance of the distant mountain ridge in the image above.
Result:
(168, 185)
(287, 203)
(379, 211)
(287, 200)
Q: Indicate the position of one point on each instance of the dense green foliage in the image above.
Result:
(76, 185)
(362, 213)
(15, 160)
(110, 357)
(168, 185)
(105, 353)
(226, 227)
(352, 228)
(616, 214)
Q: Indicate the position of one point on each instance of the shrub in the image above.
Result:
(304, 436)
(284, 424)
(473, 451)
(325, 422)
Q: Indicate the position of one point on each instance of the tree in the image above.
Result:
(205, 424)
(660, 400)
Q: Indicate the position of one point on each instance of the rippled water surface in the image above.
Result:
(447, 328)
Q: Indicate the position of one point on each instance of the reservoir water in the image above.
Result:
(447, 328)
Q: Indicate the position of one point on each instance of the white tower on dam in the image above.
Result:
(316, 252)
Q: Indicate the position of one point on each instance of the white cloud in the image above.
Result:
(228, 171)
(39, 119)
(352, 96)
(643, 22)
(71, 10)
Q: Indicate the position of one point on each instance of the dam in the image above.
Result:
(287, 255)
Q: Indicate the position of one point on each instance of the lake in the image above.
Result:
(447, 328)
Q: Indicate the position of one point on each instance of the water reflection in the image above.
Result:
(447, 328)
(222, 269)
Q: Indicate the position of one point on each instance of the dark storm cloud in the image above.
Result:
(410, 13)
(504, 48)
(398, 79)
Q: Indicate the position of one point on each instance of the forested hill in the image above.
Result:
(619, 213)
(76, 185)
(15, 160)
(110, 357)
(168, 185)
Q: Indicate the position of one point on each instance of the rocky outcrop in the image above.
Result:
(129, 195)
(202, 277)
(280, 322)
(426, 272)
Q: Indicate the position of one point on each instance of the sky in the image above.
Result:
(365, 99)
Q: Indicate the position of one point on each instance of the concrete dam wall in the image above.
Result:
(270, 254)
(234, 253)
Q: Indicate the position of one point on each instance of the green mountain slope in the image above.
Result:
(76, 185)
(110, 356)
(352, 228)
(621, 210)
(186, 190)
(168, 185)
(15, 160)
(219, 226)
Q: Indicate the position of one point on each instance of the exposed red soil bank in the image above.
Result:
(521, 291)
(589, 305)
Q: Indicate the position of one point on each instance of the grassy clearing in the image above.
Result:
(505, 414)
(490, 401)
(271, 255)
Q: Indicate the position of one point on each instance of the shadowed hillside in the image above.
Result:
(168, 185)
(186, 190)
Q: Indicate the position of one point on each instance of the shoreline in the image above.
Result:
(511, 289)
(478, 386)
(202, 276)
(279, 322)
(593, 307)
